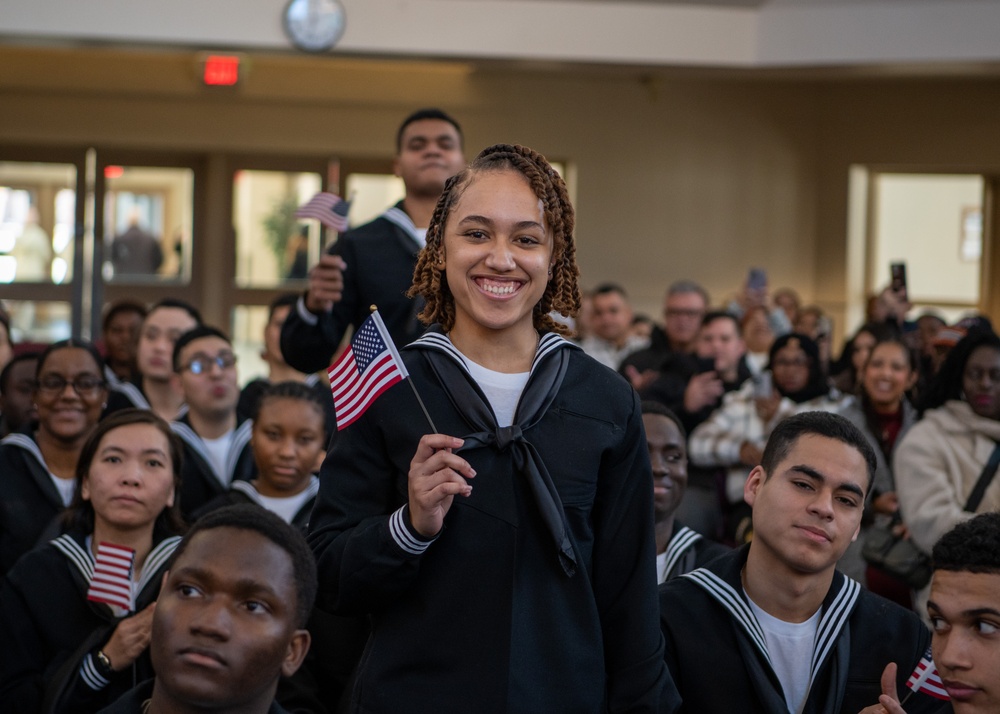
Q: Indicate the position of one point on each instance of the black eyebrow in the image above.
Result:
(815, 475)
(520, 225)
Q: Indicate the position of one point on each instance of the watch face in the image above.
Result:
(314, 25)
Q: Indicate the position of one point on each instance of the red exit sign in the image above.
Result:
(221, 70)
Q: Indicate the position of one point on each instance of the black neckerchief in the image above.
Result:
(547, 372)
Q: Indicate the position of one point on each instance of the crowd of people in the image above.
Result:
(573, 509)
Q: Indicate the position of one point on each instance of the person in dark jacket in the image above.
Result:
(509, 568)
(772, 626)
(373, 264)
(230, 620)
(62, 650)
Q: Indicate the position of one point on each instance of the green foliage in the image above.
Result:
(280, 226)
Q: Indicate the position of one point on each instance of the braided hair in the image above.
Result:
(562, 293)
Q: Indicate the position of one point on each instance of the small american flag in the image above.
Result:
(368, 367)
(925, 678)
(328, 208)
(112, 581)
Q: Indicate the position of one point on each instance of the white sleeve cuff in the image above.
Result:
(404, 536)
(307, 317)
(91, 677)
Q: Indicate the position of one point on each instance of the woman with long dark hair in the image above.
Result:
(62, 650)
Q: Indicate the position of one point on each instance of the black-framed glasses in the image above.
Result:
(84, 386)
(203, 363)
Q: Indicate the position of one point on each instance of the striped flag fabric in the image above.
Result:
(328, 208)
(925, 678)
(112, 581)
(368, 367)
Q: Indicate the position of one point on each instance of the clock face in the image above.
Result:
(314, 25)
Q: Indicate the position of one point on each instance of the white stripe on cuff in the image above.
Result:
(402, 535)
(91, 677)
(307, 317)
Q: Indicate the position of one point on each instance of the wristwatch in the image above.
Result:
(102, 664)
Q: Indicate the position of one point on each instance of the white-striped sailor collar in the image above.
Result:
(241, 437)
(81, 557)
(23, 441)
(312, 379)
(680, 542)
(111, 378)
(247, 489)
(399, 217)
(138, 399)
(837, 608)
(434, 339)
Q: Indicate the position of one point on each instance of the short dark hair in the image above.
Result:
(290, 390)
(80, 513)
(972, 545)
(251, 517)
(713, 315)
(283, 300)
(648, 406)
(71, 343)
(605, 288)
(428, 113)
(196, 333)
(118, 307)
(176, 304)
(825, 424)
(9, 367)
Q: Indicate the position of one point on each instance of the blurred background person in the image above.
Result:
(39, 469)
(17, 388)
(120, 335)
(611, 338)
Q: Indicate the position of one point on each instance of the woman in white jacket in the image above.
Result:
(939, 461)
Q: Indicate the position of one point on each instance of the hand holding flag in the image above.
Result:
(112, 580)
(368, 367)
(925, 679)
(328, 208)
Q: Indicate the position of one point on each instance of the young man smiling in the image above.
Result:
(774, 621)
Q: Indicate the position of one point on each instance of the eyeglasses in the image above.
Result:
(85, 386)
(203, 364)
(677, 312)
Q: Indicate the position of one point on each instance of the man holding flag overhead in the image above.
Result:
(374, 262)
(773, 626)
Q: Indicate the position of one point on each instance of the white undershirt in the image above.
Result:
(287, 506)
(790, 646)
(217, 450)
(502, 390)
(65, 486)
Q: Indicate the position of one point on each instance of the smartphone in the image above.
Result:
(897, 278)
(757, 279)
(762, 385)
(705, 364)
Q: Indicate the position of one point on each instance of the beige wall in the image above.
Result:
(677, 174)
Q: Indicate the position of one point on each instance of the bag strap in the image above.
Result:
(989, 471)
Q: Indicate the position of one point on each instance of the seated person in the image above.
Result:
(153, 387)
(38, 468)
(278, 370)
(76, 654)
(611, 338)
(17, 385)
(964, 610)
(773, 627)
(288, 447)
(216, 438)
(230, 620)
(679, 549)
(120, 334)
(733, 436)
